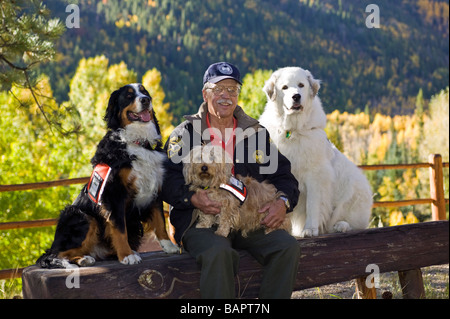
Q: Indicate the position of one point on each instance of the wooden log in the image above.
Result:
(411, 282)
(324, 260)
(401, 203)
(393, 166)
(11, 273)
(364, 292)
(437, 187)
(40, 185)
(29, 224)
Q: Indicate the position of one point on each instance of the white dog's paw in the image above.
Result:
(86, 261)
(132, 259)
(310, 232)
(169, 247)
(342, 227)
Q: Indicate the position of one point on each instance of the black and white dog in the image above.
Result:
(121, 202)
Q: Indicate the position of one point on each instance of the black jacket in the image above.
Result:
(255, 155)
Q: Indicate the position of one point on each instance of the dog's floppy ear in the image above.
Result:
(187, 173)
(188, 168)
(112, 111)
(155, 120)
(269, 87)
(313, 83)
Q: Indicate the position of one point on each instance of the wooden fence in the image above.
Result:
(437, 198)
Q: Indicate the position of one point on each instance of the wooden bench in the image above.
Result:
(324, 260)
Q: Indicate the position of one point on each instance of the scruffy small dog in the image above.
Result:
(209, 167)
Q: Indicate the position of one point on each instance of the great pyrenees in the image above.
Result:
(335, 196)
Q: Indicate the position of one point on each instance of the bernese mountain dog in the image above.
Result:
(121, 202)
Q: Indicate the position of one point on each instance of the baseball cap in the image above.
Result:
(220, 71)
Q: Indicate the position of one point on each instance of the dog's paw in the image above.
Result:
(222, 232)
(310, 232)
(342, 227)
(59, 263)
(86, 261)
(169, 247)
(132, 259)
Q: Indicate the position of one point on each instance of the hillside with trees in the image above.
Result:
(381, 69)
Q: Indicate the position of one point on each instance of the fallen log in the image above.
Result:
(324, 260)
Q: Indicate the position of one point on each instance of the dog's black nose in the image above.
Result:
(145, 100)
(204, 168)
(296, 98)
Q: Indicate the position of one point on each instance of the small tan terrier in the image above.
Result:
(210, 168)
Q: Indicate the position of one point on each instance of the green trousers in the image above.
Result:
(278, 253)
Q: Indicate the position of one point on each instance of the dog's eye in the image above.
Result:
(285, 87)
(300, 85)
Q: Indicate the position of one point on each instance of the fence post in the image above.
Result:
(437, 187)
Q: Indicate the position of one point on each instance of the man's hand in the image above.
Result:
(277, 213)
(201, 200)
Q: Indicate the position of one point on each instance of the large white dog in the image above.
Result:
(335, 196)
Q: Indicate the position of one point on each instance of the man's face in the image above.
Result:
(222, 98)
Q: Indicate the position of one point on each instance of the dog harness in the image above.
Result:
(97, 182)
(237, 188)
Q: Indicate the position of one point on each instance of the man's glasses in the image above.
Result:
(232, 90)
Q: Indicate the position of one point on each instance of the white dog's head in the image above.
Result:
(292, 88)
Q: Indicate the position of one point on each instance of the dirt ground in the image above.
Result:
(435, 278)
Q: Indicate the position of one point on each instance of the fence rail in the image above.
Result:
(437, 198)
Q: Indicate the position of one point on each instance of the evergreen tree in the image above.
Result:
(27, 39)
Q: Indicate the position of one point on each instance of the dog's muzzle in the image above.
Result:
(143, 116)
(204, 172)
(145, 101)
(297, 105)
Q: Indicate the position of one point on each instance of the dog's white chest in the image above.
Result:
(147, 173)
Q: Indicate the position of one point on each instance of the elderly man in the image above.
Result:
(278, 252)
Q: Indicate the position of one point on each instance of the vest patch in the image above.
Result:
(237, 188)
(97, 182)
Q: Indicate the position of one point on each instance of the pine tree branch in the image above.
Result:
(27, 79)
(12, 65)
(29, 87)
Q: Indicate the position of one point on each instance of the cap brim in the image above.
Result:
(223, 77)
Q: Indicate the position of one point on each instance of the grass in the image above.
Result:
(435, 279)
(11, 289)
